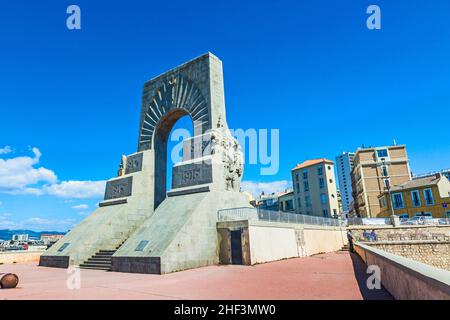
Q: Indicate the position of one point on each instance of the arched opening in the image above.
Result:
(174, 119)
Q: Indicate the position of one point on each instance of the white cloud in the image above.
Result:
(80, 207)
(18, 174)
(6, 150)
(256, 188)
(76, 189)
(21, 175)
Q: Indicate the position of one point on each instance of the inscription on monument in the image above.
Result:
(134, 163)
(118, 188)
(197, 147)
(191, 174)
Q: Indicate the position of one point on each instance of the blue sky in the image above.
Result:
(308, 68)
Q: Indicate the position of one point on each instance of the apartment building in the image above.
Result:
(315, 191)
(423, 196)
(376, 169)
(344, 166)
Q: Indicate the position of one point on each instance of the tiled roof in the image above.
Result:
(417, 183)
(312, 162)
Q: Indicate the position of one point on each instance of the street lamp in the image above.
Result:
(388, 187)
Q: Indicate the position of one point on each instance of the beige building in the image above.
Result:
(286, 202)
(315, 191)
(425, 196)
(375, 170)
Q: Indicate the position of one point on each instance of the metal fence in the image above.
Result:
(368, 221)
(236, 214)
(387, 221)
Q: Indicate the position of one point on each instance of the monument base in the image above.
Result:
(180, 235)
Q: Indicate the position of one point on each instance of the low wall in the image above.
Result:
(322, 240)
(271, 241)
(20, 257)
(434, 253)
(407, 279)
(403, 233)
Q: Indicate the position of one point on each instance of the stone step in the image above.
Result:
(96, 258)
(111, 252)
(94, 267)
(102, 260)
(102, 255)
(97, 263)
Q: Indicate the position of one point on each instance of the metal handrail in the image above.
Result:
(236, 214)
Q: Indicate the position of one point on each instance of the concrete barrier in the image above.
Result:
(264, 241)
(407, 279)
(19, 256)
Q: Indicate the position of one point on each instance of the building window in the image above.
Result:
(296, 176)
(382, 153)
(297, 186)
(415, 198)
(428, 195)
(325, 213)
(329, 167)
(307, 202)
(288, 205)
(306, 185)
(323, 198)
(299, 202)
(383, 202)
(320, 170)
(397, 199)
(384, 171)
(321, 183)
(387, 183)
(305, 174)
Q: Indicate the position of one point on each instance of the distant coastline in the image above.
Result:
(7, 234)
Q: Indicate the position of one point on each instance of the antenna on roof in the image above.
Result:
(394, 142)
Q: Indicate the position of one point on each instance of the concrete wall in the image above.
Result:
(407, 279)
(268, 241)
(271, 243)
(319, 240)
(20, 257)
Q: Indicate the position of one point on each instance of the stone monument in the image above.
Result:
(142, 227)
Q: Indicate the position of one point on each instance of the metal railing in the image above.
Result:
(368, 221)
(237, 214)
(387, 221)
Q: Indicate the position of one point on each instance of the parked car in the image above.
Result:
(444, 221)
(418, 220)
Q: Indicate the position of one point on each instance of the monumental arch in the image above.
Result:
(142, 227)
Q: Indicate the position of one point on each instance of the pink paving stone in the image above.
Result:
(326, 276)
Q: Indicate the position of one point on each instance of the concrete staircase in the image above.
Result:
(102, 260)
(345, 248)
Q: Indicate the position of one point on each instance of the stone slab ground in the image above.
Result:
(332, 276)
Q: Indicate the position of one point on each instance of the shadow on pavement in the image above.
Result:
(361, 277)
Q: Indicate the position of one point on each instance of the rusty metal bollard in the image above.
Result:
(8, 280)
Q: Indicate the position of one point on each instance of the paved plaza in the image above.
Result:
(333, 276)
